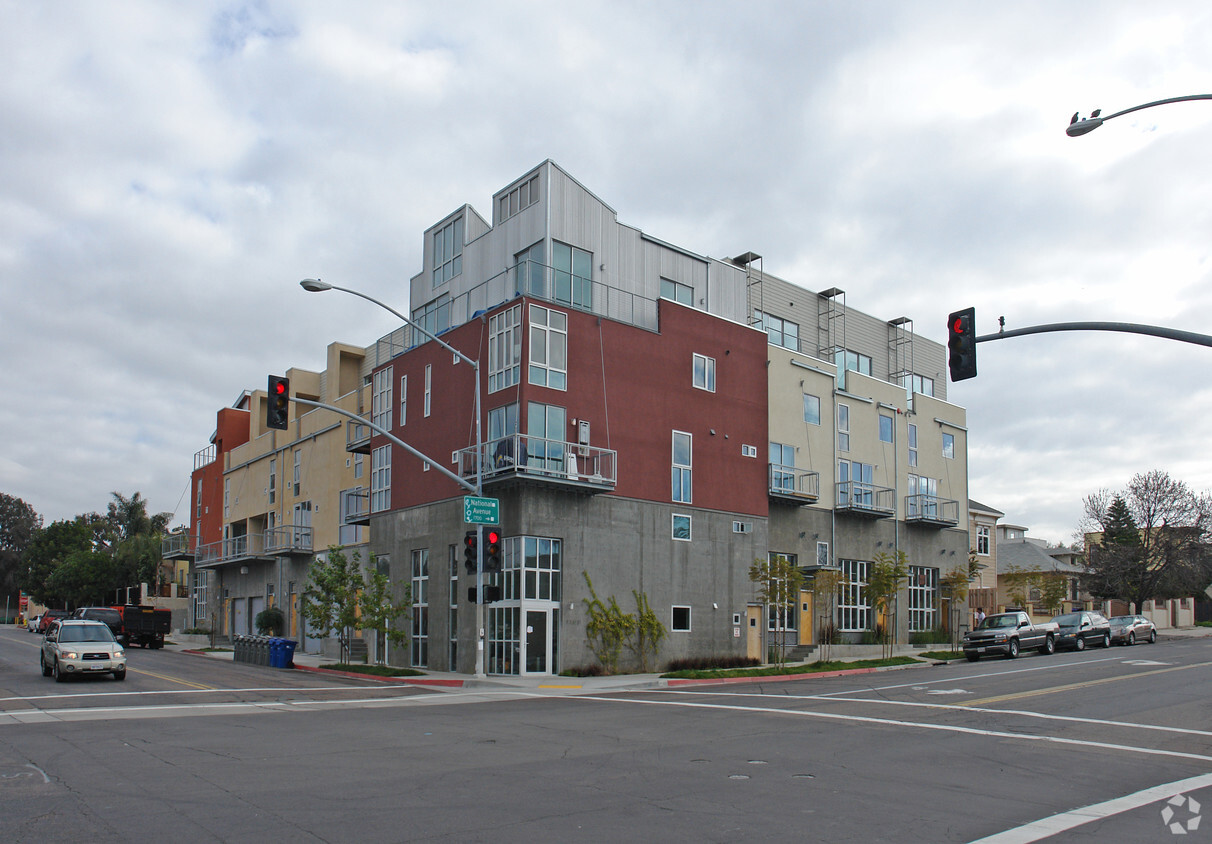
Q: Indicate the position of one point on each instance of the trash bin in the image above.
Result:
(239, 649)
(288, 653)
(263, 650)
(276, 652)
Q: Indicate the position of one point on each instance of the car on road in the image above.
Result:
(32, 624)
(44, 622)
(1081, 628)
(1130, 629)
(1009, 633)
(107, 616)
(77, 647)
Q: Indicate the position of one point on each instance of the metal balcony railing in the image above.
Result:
(204, 457)
(176, 546)
(355, 506)
(792, 484)
(290, 539)
(866, 499)
(555, 461)
(931, 510)
(357, 436)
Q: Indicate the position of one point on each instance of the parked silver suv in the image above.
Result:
(76, 646)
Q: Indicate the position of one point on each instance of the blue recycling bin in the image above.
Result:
(276, 652)
(288, 653)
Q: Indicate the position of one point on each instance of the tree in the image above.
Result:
(779, 582)
(649, 631)
(51, 548)
(380, 612)
(954, 586)
(607, 629)
(886, 573)
(330, 601)
(826, 584)
(18, 525)
(1154, 541)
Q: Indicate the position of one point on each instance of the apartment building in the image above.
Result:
(266, 503)
(652, 421)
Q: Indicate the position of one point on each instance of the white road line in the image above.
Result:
(268, 690)
(948, 728)
(1047, 827)
(972, 677)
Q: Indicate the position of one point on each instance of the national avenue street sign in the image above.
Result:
(481, 511)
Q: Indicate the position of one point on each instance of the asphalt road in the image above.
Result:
(1071, 747)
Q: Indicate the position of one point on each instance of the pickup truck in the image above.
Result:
(1009, 633)
(145, 626)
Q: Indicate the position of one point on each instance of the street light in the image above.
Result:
(315, 285)
(1089, 124)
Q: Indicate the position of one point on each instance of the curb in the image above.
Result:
(806, 675)
(411, 681)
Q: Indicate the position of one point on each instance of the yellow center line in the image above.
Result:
(1071, 686)
(172, 679)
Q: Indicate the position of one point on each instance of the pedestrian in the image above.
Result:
(980, 615)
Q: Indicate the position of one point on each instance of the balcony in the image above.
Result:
(355, 506)
(176, 546)
(519, 458)
(931, 510)
(794, 486)
(288, 540)
(357, 436)
(866, 500)
(276, 542)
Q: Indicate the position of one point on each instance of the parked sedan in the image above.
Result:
(75, 646)
(1130, 629)
(32, 624)
(1078, 629)
(49, 617)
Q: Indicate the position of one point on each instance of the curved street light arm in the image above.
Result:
(1089, 124)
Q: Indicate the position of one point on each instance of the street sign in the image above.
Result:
(481, 511)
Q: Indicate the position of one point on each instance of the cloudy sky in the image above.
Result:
(169, 171)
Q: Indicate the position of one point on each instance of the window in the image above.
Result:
(923, 598)
(198, 504)
(923, 496)
(678, 292)
(812, 409)
(380, 479)
(822, 554)
(448, 252)
(298, 479)
(918, 384)
(428, 387)
(539, 568)
(856, 362)
(854, 612)
(359, 466)
(855, 483)
(528, 270)
(704, 373)
(380, 399)
(452, 617)
(681, 527)
(227, 497)
(420, 607)
(680, 620)
(781, 614)
(885, 428)
(948, 445)
(843, 427)
(548, 348)
(982, 540)
(781, 332)
(273, 481)
(782, 467)
(518, 199)
(749, 451)
(545, 451)
(742, 527)
(504, 348)
(403, 400)
(912, 444)
(572, 272)
(433, 317)
(682, 478)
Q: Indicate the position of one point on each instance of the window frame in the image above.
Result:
(687, 611)
(681, 481)
(689, 521)
(704, 378)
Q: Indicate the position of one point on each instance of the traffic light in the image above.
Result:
(278, 406)
(492, 550)
(492, 594)
(470, 543)
(961, 344)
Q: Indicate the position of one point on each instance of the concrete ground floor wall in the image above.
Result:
(694, 574)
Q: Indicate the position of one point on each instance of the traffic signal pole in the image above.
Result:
(1126, 327)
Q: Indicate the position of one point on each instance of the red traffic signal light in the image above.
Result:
(492, 550)
(277, 408)
(470, 550)
(961, 344)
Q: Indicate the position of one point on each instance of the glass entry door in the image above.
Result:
(538, 642)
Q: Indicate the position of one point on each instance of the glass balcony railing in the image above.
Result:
(176, 546)
(930, 509)
(522, 456)
(866, 499)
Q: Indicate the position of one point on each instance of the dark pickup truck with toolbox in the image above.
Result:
(145, 626)
(1009, 633)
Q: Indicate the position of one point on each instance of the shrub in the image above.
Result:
(709, 663)
(270, 622)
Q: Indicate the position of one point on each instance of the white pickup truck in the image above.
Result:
(1009, 633)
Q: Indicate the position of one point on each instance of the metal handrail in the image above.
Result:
(521, 454)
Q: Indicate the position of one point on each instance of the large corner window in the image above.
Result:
(572, 272)
(520, 197)
(380, 479)
(548, 348)
(528, 270)
(504, 348)
(923, 598)
(381, 398)
(448, 252)
(854, 613)
(433, 317)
